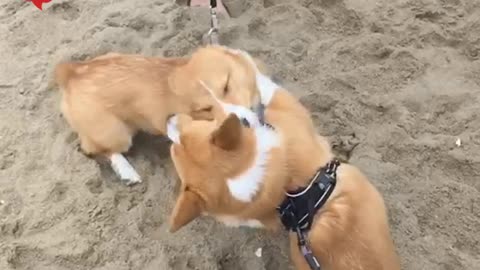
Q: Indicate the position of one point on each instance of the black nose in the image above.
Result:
(245, 122)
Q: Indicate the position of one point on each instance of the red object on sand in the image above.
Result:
(39, 3)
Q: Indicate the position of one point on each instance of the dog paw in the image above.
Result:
(124, 170)
(79, 149)
(128, 175)
(131, 180)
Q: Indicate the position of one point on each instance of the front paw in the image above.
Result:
(124, 170)
(130, 178)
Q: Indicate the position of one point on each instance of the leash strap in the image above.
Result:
(304, 246)
(213, 32)
(307, 251)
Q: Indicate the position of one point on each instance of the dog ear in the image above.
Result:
(188, 207)
(229, 135)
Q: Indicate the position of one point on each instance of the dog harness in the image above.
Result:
(299, 207)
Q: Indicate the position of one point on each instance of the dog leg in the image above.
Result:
(79, 149)
(124, 169)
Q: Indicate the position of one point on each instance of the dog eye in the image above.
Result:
(207, 109)
(245, 122)
(226, 90)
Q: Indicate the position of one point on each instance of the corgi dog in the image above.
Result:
(107, 99)
(241, 173)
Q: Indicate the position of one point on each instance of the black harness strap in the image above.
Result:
(299, 208)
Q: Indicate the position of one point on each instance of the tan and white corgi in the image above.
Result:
(240, 175)
(107, 99)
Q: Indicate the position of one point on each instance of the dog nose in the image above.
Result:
(245, 122)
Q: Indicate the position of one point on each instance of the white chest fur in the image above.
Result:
(246, 185)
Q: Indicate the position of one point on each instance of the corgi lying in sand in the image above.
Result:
(107, 99)
(241, 173)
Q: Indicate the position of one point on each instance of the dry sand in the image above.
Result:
(392, 83)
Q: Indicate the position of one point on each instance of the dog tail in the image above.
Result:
(63, 73)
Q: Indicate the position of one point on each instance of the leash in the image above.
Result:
(307, 251)
(212, 34)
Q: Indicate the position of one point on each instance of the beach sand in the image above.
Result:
(394, 84)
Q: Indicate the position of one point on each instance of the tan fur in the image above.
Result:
(107, 99)
(203, 165)
(350, 231)
(229, 75)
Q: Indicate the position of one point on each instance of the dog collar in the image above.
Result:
(299, 207)
(259, 109)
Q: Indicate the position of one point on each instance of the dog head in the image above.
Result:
(229, 74)
(205, 155)
(222, 165)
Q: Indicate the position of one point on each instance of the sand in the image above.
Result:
(392, 83)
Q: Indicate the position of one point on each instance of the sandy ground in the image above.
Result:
(392, 83)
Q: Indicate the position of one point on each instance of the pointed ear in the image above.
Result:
(188, 207)
(229, 135)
